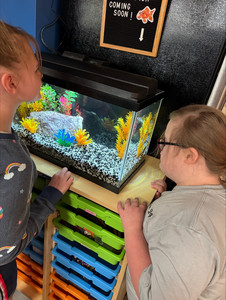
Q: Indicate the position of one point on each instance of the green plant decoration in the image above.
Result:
(66, 101)
(64, 139)
(70, 96)
(48, 96)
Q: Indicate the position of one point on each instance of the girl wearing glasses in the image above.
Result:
(176, 247)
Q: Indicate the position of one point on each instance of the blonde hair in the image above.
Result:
(204, 128)
(13, 45)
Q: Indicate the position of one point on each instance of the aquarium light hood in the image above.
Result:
(113, 86)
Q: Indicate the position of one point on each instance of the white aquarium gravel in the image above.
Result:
(95, 159)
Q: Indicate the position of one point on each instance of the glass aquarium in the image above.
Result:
(87, 121)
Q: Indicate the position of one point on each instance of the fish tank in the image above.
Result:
(93, 119)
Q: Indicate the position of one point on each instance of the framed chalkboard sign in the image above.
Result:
(133, 25)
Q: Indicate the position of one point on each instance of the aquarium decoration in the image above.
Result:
(96, 121)
(66, 105)
(35, 106)
(23, 110)
(64, 139)
(30, 124)
(26, 108)
(66, 101)
(108, 123)
(145, 133)
(48, 96)
(82, 137)
(122, 129)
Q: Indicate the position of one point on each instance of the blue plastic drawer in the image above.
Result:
(41, 234)
(86, 255)
(33, 255)
(37, 246)
(93, 290)
(96, 279)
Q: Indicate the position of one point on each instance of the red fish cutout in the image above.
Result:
(146, 15)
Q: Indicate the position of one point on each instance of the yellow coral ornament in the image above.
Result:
(23, 110)
(36, 106)
(30, 124)
(122, 129)
(82, 137)
(145, 132)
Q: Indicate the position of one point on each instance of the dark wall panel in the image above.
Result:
(192, 40)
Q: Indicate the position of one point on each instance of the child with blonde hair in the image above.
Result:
(176, 247)
(20, 221)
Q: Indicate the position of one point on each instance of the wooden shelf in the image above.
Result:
(138, 186)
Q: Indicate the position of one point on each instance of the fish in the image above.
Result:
(146, 15)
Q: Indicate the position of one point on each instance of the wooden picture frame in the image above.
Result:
(133, 25)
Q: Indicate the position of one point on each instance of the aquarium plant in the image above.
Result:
(82, 137)
(26, 108)
(145, 133)
(67, 106)
(30, 124)
(64, 139)
(67, 99)
(122, 129)
(48, 95)
(35, 106)
(23, 110)
(108, 123)
(70, 96)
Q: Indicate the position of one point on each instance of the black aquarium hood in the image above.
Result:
(121, 88)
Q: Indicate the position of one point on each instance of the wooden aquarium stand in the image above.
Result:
(138, 186)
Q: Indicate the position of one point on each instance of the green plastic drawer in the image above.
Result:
(110, 218)
(102, 252)
(40, 183)
(106, 237)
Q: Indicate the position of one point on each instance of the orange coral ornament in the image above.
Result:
(122, 130)
(146, 15)
(82, 137)
(145, 133)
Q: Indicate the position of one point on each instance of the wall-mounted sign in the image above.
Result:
(133, 25)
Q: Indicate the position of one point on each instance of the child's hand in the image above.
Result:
(62, 180)
(160, 186)
(132, 215)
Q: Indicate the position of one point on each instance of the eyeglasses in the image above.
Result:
(161, 144)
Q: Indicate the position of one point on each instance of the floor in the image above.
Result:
(19, 296)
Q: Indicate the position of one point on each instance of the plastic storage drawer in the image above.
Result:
(88, 256)
(95, 230)
(89, 288)
(110, 218)
(102, 252)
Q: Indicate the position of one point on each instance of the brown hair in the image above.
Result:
(13, 46)
(204, 128)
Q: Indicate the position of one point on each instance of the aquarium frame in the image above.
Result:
(123, 89)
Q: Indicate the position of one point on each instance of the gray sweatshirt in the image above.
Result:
(20, 220)
(185, 231)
